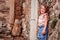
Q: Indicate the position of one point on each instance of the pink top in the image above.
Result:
(41, 19)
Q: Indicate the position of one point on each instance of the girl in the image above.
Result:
(42, 23)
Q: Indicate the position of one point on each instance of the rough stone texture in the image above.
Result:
(4, 17)
(4, 13)
(54, 11)
(56, 33)
(24, 18)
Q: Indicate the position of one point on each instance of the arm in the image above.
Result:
(46, 21)
(45, 24)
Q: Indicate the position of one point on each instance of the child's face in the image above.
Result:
(43, 9)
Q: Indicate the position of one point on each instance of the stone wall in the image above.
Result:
(27, 13)
(4, 14)
(54, 11)
(23, 15)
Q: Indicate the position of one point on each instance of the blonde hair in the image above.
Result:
(46, 7)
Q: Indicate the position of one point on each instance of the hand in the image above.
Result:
(44, 32)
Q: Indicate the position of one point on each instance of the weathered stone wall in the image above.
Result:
(27, 13)
(23, 15)
(55, 14)
(4, 14)
(54, 11)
